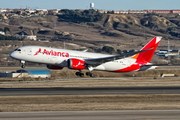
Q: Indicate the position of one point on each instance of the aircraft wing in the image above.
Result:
(97, 61)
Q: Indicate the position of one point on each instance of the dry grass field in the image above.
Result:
(66, 78)
(99, 82)
(86, 102)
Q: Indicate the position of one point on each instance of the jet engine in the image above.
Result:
(76, 64)
(54, 67)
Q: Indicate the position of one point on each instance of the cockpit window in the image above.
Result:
(17, 50)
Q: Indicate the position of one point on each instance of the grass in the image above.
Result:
(86, 102)
(108, 82)
(143, 78)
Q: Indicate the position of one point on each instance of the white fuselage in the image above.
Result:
(54, 56)
(79, 60)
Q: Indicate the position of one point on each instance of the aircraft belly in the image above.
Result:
(100, 67)
(42, 59)
(118, 65)
(110, 66)
(114, 66)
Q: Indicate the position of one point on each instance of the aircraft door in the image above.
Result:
(23, 52)
(29, 51)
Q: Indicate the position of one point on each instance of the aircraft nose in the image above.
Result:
(12, 54)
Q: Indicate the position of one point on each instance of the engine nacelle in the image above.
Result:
(54, 67)
(76, 64)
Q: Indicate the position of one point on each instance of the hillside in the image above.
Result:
(122, 32)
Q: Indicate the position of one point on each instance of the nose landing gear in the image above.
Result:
(22, 64)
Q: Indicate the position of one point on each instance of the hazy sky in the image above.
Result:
(99, 4)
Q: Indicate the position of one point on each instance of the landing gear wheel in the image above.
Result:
(80, 74)
(90, 74)
(22, 66)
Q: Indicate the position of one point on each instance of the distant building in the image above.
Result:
(42, 11)
(19, 11)
(176, 11)
(166, 53)
(102, 11)
(31, 37)
(141, 11)
(123, 12)
(163, 11)
(137, 12)
(33, 73)
(53, 12)
(30, 11)
(2, 33)
(26, 36)
(3, 10)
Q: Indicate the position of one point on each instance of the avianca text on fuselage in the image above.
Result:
(52, 53)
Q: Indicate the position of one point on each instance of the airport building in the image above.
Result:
(166, 53)
(33, 73)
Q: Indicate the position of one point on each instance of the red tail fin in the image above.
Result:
(145, 57)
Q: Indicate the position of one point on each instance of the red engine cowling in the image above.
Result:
(76, 64)
(54, 67)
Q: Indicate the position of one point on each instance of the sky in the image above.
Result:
(99, 4)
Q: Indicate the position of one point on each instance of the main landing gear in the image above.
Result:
(89, 74)
(82, 74)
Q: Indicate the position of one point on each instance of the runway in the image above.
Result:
(89, 90)
(94, 115)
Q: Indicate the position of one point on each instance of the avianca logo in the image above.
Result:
(52, 53)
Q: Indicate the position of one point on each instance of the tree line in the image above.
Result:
(110, 50)
(5, 37)
(5, 30)
(78, 16)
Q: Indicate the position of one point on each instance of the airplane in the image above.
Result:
(57, 59)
